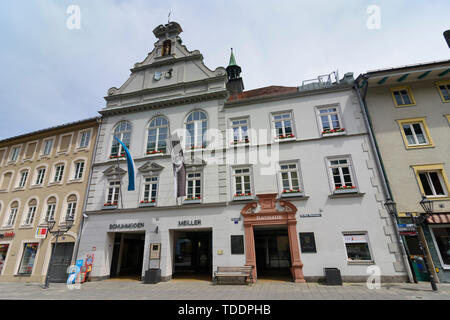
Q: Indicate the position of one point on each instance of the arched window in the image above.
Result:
(196, 126)
(29, 218)
(12, 214)
(158, 132)
(122, 131)
(71, 207)
(51, 208)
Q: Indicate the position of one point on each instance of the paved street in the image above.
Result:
(194, 290)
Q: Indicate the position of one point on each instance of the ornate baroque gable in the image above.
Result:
(150, 167)
(114, 172)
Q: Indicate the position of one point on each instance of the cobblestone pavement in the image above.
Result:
(195, 290)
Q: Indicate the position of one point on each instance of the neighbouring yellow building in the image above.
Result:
(43, 175)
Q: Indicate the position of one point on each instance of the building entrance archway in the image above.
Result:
(270, 215)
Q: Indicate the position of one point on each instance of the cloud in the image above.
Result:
(52, 75)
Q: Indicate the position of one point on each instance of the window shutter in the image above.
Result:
(30, 150)
(65, 141)
(2, 154)
(6, 180)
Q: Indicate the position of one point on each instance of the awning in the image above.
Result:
(439, 218)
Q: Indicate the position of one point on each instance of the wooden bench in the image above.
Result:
(233, 272)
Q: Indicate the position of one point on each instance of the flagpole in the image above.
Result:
(120, 181)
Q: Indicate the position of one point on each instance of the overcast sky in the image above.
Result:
(51, 75)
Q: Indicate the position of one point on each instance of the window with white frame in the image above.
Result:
(84, 139)
(415, 133)
(150, 189)
(15, 153)
(40, 176)
(29, 218)
(59, 172)
(433, 183)
(71, 207)
(50, 212)
(290, 181)
(341, 174)
(158, 133)
(112, 198)
(48, 144)
(196, 126)
(242, 184)
(357, 247)
(330, 120)
(193, 185)
(12, 215)
(283, 125)
(23, 178)
(239, 129)
(79, 168)
(122, 131)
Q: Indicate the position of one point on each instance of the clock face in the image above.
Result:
(157, 76)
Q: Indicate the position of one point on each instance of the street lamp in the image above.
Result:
(61, 231)
(427, 206)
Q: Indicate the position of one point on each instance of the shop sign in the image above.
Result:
(7, 235)
(41, 233)
(184, 223)
(268, 217)
(135, 225)
(355, 239)
(311, 215)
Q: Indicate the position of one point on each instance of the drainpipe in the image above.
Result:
(77, 245)
(386, 188)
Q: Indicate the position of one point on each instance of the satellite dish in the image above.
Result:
(447, 37)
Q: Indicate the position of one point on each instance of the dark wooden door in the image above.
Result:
(60, 263)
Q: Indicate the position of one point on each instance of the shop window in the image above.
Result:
(3, 253)
(441, 237)
(307, 242)
(357, 247)
(28, 257)
(237, 244)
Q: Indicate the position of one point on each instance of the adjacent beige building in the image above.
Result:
(42, 174)
(409, 110)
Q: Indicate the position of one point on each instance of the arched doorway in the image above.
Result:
(269, 215)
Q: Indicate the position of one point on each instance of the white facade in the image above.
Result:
(190, 86)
